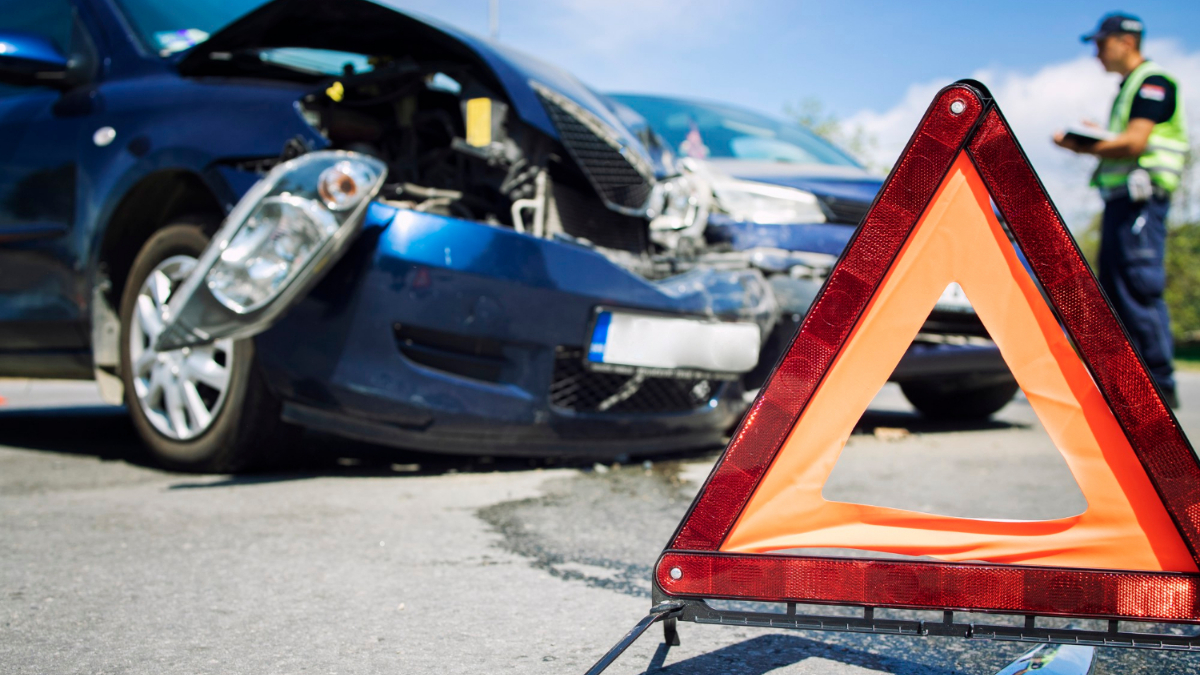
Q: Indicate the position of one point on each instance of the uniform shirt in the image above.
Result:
(1155, 100)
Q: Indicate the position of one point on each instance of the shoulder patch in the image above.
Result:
(1153, 92)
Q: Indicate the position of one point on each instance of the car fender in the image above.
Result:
(204, 131)
(207, 127)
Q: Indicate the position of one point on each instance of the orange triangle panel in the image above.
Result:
(1131, 554)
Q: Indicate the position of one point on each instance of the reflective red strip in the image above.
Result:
(1039, 231)
(1152, 430)
(907, 192)
(1045, 591)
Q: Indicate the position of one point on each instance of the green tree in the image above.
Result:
(1183, 281)
(1089, 242)
(811, 114)
(1183, 255)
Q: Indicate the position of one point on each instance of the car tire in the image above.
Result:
(200, 409)
(956, 400)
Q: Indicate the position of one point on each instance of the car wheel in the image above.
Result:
(956, 400)
(202, 408)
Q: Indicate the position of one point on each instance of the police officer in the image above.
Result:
(1140, 166)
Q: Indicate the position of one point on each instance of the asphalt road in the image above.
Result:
(358, 560)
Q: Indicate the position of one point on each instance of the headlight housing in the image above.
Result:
(678, 207)
(298, 213)
(753, 202)
(274, 245)
(269, 251)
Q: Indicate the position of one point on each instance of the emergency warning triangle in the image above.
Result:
(1131, 554)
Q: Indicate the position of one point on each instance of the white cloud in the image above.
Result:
(1037, 105)
(624, 45)
(614, 28)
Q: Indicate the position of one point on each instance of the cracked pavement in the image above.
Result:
(359, 559)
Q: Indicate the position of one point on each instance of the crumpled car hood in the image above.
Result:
(847, 183)
(366, 27)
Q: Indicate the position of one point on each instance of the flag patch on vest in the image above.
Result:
(1153, 92)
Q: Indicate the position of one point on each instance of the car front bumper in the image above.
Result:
(446, 335)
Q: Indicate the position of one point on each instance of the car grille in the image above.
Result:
(846, 211)
(580, 390)
(474, 357)
(583, 215)
(613, 173)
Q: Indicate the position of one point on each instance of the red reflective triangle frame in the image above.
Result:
(962, 118)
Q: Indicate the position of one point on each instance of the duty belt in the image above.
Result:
(1122, 192)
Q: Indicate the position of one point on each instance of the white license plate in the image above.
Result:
(672, 343)
(954, 299)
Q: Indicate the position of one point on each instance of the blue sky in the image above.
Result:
(852, 55)
(876, 65)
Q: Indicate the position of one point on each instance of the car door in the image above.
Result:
(43, 305)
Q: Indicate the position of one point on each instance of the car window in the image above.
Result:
(176, 25)
(705, 130)
(50, 19)
(167, 28)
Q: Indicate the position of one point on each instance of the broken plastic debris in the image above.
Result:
(891, 433)
(739, 295)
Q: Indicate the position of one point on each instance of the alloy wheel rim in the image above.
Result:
(180, 391)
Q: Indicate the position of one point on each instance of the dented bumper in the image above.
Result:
(447, 335)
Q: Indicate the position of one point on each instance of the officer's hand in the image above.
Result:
(1061, 140)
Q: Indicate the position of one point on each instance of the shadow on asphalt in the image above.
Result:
(105, 432)
(766, 653)
(918, 424)
(100, 431)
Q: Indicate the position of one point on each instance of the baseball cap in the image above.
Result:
(1116, 23)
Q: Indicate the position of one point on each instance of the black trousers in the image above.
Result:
(1133, 242)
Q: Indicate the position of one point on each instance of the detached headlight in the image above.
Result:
(297, 214)
(275, 244)
(769, 204)
(679, 204)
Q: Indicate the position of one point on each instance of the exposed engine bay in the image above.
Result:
(423, 119)
(445, 139)
(525, 145)
(454, 148)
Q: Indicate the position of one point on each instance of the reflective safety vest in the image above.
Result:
(1167, 148)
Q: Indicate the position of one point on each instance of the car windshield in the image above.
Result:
(171, 27)
(712, 131)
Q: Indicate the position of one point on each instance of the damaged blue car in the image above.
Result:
(247, 218)
(776, 185)
(341, 217)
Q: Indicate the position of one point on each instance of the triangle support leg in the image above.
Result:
(662, 612)
(671, 631)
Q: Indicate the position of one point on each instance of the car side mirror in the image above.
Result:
(32, 60)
